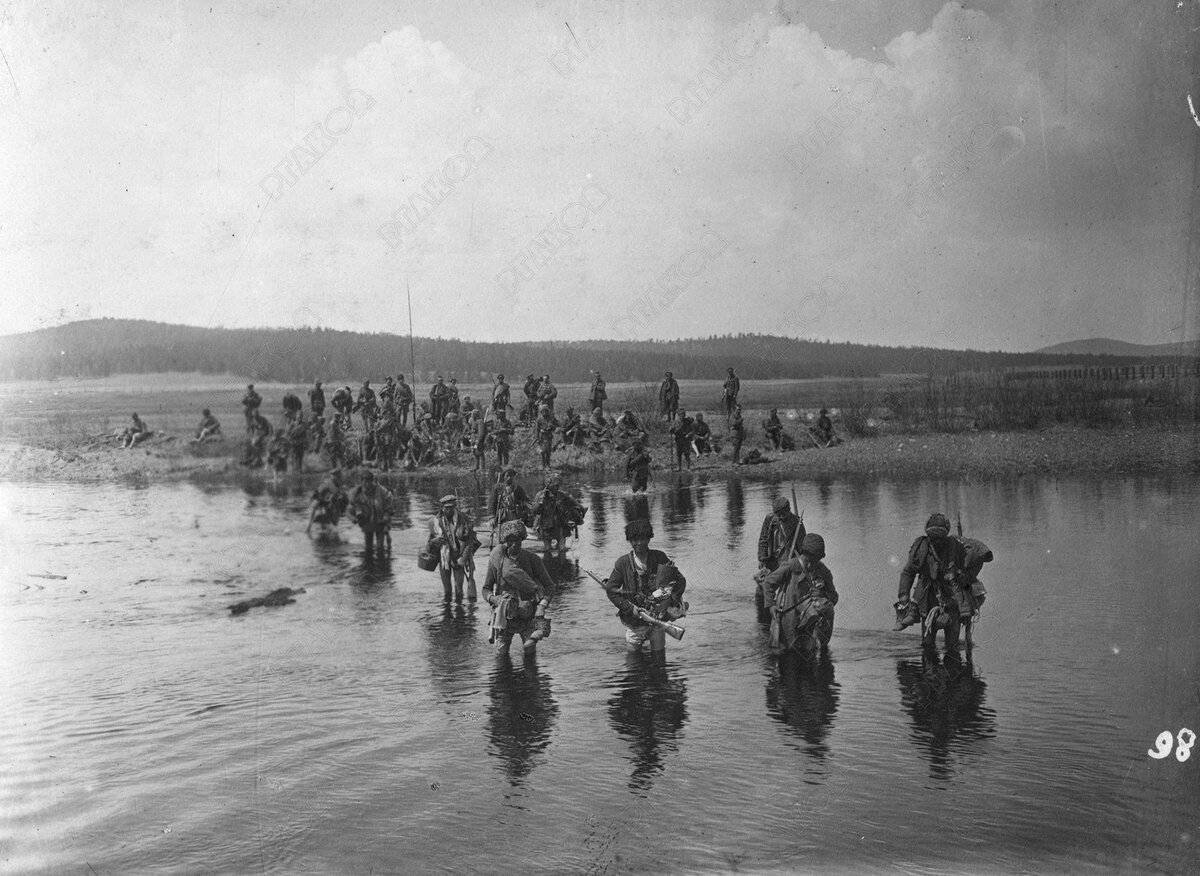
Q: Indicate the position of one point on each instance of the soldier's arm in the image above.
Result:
(615, 590)
(543, 577)
(830, 591)
(910, 570)
(776, 580)
(764, 541)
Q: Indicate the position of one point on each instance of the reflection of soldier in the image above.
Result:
(945, 700)
(804, 695)
(648, 710)
(520, 718)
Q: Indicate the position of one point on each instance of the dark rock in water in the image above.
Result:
(282, 596)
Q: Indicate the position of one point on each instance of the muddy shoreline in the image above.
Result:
(1052, 452)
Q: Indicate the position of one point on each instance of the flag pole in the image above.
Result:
(411, 351)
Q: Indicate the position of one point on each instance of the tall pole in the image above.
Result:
(412, 355)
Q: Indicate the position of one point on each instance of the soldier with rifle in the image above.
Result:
(781, 531)
(647, 589)
(729, 392)
(501, 394)
(316, 399)
(404, 400)
(250, 405)
(668, 397)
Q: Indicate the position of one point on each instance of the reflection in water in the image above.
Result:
(452, 652)
(803, 694)
(373, 573)
(735, 512)
(824, 492)
(520, 717)
(648, 710)
(945, 698)
(679, 507)
(597, 516)
(636, 508)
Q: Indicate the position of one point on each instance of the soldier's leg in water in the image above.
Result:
(951, 630)
(459, 574)
(447, 593)
(635, 637)
(369, 539)
(503, 641)
(657, 637)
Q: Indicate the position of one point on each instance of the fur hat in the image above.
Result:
(780, 504)
(513, 529)
(640, 528)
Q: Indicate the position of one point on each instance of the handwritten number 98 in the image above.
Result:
(1183, 746)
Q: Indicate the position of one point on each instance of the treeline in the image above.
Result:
(98, 348)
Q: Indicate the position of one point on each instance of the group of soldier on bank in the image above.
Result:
(449, 422)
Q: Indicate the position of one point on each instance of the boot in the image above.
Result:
(906, 616)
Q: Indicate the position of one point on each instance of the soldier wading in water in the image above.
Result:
(645, 586)
(520, 589)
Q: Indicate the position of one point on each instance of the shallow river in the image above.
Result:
(365, 728)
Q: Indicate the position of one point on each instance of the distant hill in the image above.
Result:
(1110, 347)
(102, 347)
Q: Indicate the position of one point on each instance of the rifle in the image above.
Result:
(673, 630)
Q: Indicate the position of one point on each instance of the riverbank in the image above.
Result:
(1053, 452)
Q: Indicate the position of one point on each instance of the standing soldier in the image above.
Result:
(292, 407)
(297, 439)
(729, 392)
(250, 404)
(682, 430)
(737, 433)
(256, 441)
(637, 467)
(479, 435)
(509, 500)
(500, 395)
(439, 393)
(644, 586)
(452, 401)
(531, 394)
(544, 428)
(388, 393)
(556, 514)
(385, 437)
(502, 431)
(519, 588)
(316, 433)
(452, 535)
(935, 561)
(404, 399)
(316, 399)
(547, 393)
(668, 397)
(371, 507)
(800, 597)
(343, 403)
(701, 435)
(367, 407)
(599, 394)
(775, 541)
(598, 431)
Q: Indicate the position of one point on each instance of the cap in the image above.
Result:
(813, 545)
(780, 504)
(938, 526)
(448, 499)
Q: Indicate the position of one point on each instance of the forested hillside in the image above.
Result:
(97, 348)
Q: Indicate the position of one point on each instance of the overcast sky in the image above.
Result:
(991, 175)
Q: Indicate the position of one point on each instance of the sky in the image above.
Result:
(988, 175)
